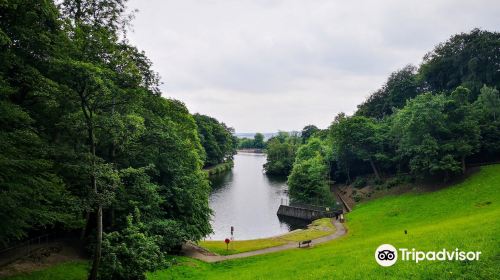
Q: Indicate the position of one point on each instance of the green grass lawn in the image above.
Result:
(464, 216)
(71, 271)
(318, 228)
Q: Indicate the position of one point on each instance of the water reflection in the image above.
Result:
(248, 199)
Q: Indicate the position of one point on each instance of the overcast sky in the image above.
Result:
(264, 66)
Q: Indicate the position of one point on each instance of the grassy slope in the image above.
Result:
(465, 216)
(68, 271)
(317, 229)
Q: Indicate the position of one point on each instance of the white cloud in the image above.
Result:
(269, 65)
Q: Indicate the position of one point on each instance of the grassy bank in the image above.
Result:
(76, 270)
(464, 216)
(219, 168)
(318, 228)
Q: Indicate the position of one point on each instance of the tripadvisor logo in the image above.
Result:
(387, 255)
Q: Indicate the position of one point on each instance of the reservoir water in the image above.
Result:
(247, 199)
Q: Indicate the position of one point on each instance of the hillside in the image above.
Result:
(464, 216)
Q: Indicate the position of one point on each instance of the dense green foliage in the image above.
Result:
(435, 133)
(308, 131)
(89, 145)
(429, 121)
(308, 181)
(467, 59)
(88, 142)
(256, 143)
(357, 138)
(281, 151)
(401, 85)
(217, 140)
(433, 220)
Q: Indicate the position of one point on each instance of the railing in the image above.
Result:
(287, 202)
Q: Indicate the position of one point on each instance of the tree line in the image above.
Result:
(427, 122)
(89, 145)
(256, 143)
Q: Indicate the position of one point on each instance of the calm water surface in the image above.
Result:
(248, 199)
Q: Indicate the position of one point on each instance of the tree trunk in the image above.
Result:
(84, 230)
(98, 245)
(463, 165)
(374, 169)
(348, 171)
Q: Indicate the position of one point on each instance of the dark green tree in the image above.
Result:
(308, 181)
(469, 59)
(281, 151)
(430, 132)
(308, 131)
(401, 85)
(258, 141)
(216, 138)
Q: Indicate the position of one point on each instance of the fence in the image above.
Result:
(287, 202)
(25, 248)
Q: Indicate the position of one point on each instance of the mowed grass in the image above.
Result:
(464, 216)
(76, 270)
(318, 228)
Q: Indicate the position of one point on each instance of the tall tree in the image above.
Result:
(469, 59)
(308, 131)
(430, 132)
(401, 85)
(486, 111)
(358, 136)
(216, 138)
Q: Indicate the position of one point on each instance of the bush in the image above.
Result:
(392, 182)
(359, 183)
(308, 181)
(130, 253)
(220, 168)
(396, 181)
(378, 182)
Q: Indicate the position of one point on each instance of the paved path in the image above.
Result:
(194, 251)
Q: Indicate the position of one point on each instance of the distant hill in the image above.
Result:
(267, 135)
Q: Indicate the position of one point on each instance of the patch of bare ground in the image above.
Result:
(43, 257)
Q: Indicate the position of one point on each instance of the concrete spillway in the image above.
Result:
(307, 212)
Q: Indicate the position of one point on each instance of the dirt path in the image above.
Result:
(194, 251)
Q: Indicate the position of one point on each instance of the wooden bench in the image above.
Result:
(305, 242)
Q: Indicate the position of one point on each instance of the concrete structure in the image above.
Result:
(307, 212)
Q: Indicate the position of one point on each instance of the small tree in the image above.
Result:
(130, 253)
(308, 180)
(258, 141)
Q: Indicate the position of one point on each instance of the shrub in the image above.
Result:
(359, 183)
(130, 253)
(356, 197)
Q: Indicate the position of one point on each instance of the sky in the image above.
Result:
(269, 65)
